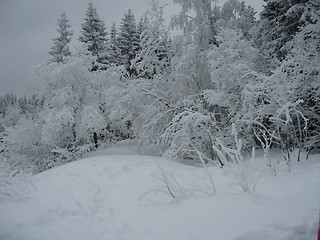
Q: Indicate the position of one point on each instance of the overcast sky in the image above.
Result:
(28, 26)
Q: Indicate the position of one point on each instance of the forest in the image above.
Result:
(227, 85)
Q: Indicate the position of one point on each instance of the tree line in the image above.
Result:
(119, 47)
(230, 82)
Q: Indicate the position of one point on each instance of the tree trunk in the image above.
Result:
(95, 139)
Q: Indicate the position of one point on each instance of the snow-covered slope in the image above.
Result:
(116, 195)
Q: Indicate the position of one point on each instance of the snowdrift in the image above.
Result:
(117, 194)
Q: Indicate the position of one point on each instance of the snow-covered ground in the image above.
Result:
(118, 194)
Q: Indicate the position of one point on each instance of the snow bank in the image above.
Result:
(115, 194)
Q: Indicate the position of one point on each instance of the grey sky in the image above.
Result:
(28, 26)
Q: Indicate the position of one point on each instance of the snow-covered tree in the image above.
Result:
(114, 50)
(75, 114)
(246, 19)
(23, 143)
(301, 70)
(129, 41)
(230, 10)
(67, 92)
(144, 21)
(150, 110)
(190, 72)
(201, 26)
(237, 15)
(216, 104)
(190, 131)
(91, 123)
(280, 21)
(160, 101)
(189, 65)
(13, 108)
(60, 49)
(94, 36)
(154, 57)
(192, 97)
(63, 96)
(12, 114)
(287, 116)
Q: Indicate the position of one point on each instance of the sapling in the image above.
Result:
(207, 171)
(266, 139)
(173, 188)
(286, 127)
(240, 170)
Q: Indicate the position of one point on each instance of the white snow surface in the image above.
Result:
(119, 194)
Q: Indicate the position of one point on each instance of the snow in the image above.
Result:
(119, 194)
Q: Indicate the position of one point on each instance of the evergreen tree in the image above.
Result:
(129, 41)
(231, 9)
(93, 34)
(246, 19)
(280, 21)
(144, 22)
(60, 49)
(237, 15)
(114, 50)
(154, 55)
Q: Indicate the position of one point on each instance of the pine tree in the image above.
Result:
(60, 49)
(93, 34)
(129, 41)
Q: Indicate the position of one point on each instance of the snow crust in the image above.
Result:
(118, 194)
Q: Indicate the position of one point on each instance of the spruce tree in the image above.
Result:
(153, 59)
(129, 41)
(93, 34)
(230, 9)
(280, 21)
(246, 19)
(60, 49)
(114, 50)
